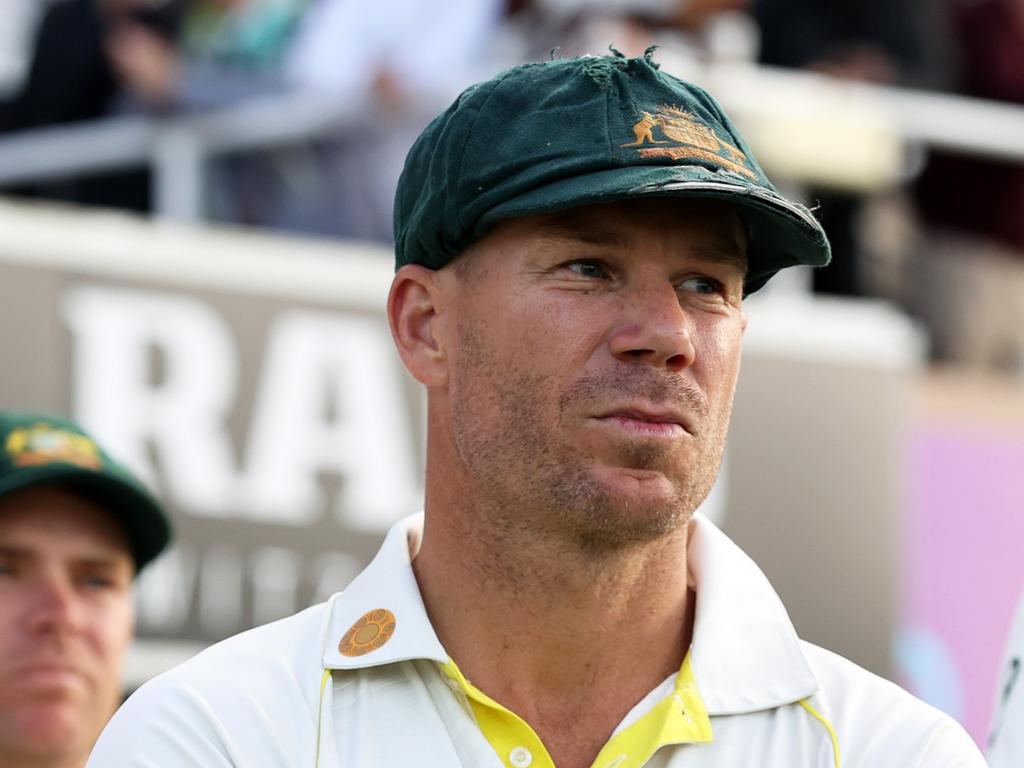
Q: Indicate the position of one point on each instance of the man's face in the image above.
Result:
(66, 619)
(595, 364)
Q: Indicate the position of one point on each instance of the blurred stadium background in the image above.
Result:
(195, 217)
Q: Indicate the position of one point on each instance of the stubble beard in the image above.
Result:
(529, 485)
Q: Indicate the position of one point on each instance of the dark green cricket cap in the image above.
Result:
(548, 136)
(38, 449)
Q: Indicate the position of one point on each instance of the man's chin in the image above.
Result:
(628, 507)
(636, 485)
(55, 729)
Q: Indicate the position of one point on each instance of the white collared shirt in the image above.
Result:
(286, 695)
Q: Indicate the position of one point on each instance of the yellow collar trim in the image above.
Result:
(679, 718)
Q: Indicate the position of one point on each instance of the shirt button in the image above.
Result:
(520, 757)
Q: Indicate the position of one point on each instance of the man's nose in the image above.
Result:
(655, 329)
(56, 607)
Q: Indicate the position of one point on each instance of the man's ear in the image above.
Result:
(415, 305)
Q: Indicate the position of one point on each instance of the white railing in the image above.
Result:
(177, 148)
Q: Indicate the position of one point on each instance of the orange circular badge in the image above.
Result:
(369, 633)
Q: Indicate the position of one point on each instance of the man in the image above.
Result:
(574, 240)
(75, 528)
(1006, 738)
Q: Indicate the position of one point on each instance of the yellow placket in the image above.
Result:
(679, 718)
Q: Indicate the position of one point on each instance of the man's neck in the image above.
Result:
(558, 634)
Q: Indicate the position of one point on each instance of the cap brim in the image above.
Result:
(782, 234)
(140, 516)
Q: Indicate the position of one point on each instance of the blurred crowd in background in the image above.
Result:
(959, 221)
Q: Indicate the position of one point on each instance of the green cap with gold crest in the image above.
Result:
(548, 136)
(37, 449)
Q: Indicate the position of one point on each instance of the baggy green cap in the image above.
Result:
(548, 136)
(37, 449)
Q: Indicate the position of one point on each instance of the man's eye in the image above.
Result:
(588, 268)
(703, 285)
(96, 581)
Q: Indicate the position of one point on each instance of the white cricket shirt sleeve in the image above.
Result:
(251, 701)
(952, 748)
(164, 724)
(878, 724)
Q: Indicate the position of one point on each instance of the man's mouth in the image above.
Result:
(57, 675)
(652, 421)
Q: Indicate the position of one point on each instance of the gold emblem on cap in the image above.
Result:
(370, 632)
(44, 444)
(692, 138)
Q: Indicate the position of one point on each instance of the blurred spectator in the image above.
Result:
(75, 529)
(393, 65)
(75, 75)
(853, 39)
(228, 51)
(971, 269)
(390, 64)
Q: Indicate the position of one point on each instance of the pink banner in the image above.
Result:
(965, 566)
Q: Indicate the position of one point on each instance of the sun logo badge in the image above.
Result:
(369, 633)
(685, 138)
(45, 444)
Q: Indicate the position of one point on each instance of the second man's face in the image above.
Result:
(66, 616)
(596, 358)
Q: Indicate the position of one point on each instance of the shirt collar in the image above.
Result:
(746, 655)
(387, 583)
